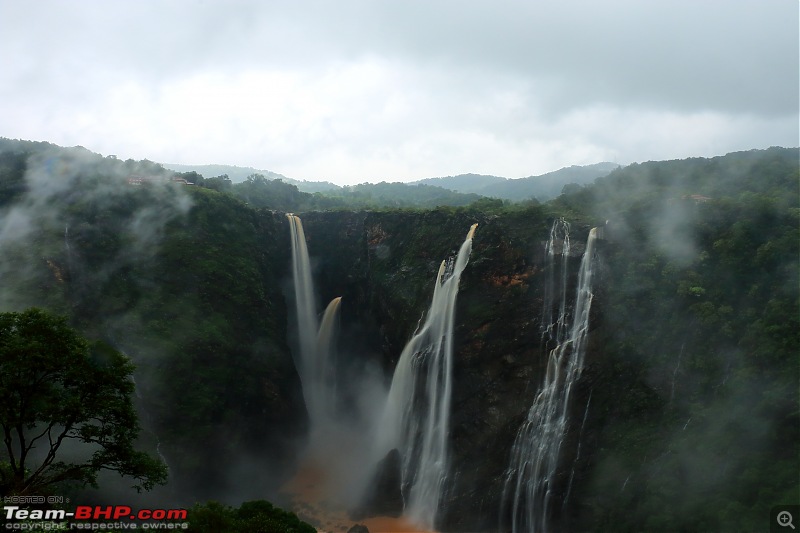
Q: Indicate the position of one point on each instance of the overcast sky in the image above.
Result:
(369, 90)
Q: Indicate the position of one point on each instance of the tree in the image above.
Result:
(57, 387)
(218, 183)
(257, 516)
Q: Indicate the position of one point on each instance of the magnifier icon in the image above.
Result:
(785, 519)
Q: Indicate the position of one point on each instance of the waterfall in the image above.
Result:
(324, 370)
(535, 453)
(554, 328)
(66, 239)
(415, 420)
(314, 366)
(577, 453)
(148, 425)
(304, 295)
(68, 250)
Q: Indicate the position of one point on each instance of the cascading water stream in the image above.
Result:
(554, 328)
(324, 372)
(577, 453)
(148, 422)
(415, 420)
(304, 295)
(314, 363)
(535, 453)
(68, 251)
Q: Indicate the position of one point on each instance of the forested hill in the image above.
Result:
(256, 190)
(542, 187)
(234, 173)
(260, 192)
(240, 174)
(474, 183)
(696, 370)
(685, 416)
(769, 174)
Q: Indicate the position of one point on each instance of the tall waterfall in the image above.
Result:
(314, 365)
(416, 417)
(68, 250)
(535, 453)
(148, 424)
(554, 327)
(324, 371)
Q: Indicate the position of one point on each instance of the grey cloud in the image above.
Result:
(732, 56)
(517, 73)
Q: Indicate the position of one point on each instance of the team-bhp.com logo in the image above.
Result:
(93, 517)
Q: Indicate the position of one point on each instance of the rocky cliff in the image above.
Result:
(384, 265)
(685, 415)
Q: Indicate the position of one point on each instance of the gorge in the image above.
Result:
(659, 348)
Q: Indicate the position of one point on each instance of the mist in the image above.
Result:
(684, 411)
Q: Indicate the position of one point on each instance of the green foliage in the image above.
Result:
(211, 331)
(217, 183)
(399, 195)
(257, 516)
(54, 387)
(693, 364)
(769, 173)
(12, 168)
(261, 192)
(192, 294)
(700, 317)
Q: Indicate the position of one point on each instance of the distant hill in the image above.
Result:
(466, 183)
(385, 194)
(239, 174)
(543, 187)
(548, 185)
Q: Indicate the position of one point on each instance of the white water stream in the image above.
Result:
(535, 453)
(416, 419)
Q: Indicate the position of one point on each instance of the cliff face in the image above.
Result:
(690, 366)
(384, 266)
(685, 416)
(188, 285)
(204, 309)
(691, 358)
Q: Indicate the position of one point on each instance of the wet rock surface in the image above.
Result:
(498, 354)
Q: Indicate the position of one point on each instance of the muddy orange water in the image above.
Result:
(312, 493)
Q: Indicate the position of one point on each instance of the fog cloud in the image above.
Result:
(57, 180)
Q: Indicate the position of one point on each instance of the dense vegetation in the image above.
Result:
(692, 365)
(260, 192)
(253, 516)
(184, 280)
(57, 388)
(543, 187)
(700, 335)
